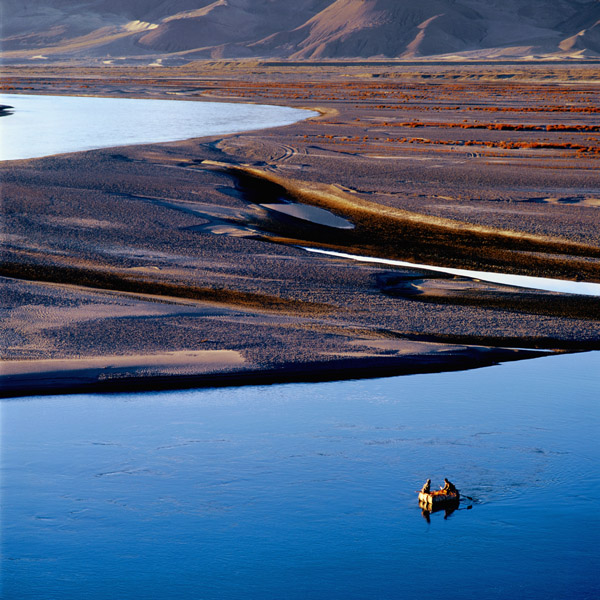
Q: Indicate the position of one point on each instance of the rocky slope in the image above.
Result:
(305, 29)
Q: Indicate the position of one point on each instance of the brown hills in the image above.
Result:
(184, 30)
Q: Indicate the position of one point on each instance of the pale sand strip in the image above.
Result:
(181, 362)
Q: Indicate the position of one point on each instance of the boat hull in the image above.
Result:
(438, 499)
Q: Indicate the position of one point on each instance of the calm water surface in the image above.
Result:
(45, 125)
(308, 490)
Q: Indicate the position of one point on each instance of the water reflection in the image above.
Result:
(448, 508)
(47, 125)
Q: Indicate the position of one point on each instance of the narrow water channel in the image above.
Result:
(523, 281)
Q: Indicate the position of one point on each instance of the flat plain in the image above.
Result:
(167, 265)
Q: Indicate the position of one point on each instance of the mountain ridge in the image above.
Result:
(184, 30)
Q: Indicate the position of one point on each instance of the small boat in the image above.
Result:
(438, 498)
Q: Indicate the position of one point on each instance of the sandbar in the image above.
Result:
(165, 265)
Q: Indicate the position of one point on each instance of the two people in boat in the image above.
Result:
(449, 488)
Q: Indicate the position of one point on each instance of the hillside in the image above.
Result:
(182, 30)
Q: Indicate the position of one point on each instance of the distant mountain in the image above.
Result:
(183, 30)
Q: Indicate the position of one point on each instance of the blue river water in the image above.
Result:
(309, 490)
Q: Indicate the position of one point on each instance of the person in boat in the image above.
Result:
(449, 488)
(427, 487)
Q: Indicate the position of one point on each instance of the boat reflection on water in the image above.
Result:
(448, 507)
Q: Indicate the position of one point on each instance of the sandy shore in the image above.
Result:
(226, 368)
(171, 266)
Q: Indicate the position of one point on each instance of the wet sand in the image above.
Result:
(155, 251)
